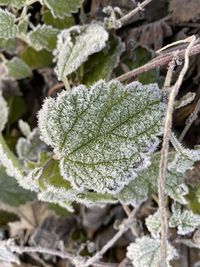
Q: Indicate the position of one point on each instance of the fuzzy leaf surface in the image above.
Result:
(43, 37)
(62, 8)
(8, 29)
(75, 45)
(104, 134)
(145, 252)
(186, 221)
(139, 189)
(16, 68)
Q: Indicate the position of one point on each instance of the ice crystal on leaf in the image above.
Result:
(4, 112)
(153, 224)
(186, 221)
(104, 134)
(8, 29)
(145, 252)
(75, 45)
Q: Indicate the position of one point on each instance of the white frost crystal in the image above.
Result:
(8, 29)
(3, 112)
(104, 134)
(145, 252)
(75, 45)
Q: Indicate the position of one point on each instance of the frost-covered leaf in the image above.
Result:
(4, 112)
(101, 65)
(75, 45)
(43, 37)
(51, 186)
(24, 128)
(153, 224)
(58, 23)
(185, 159)
(6, 255)
(16, 68)
(186, 221)
(145, 252)
(8, 29)
(62, 8)
(10, 192)
(29, 148)
(105, 134)
(37, 59)
(145, 184)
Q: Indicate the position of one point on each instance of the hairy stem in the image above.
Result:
(164, 155)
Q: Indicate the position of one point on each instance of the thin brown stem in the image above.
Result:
(124, 227)
(190, 120)
(164, 155)
(159, 61)
(125, 18)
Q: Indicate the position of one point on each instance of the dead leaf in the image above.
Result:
(151, 35)
(184, 10)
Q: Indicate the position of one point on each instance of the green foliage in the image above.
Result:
(145, 183)
(17, 108)
(145, 252)
(43, 37)
(10, 192)
(186, 221)
(58, 23)
(61, 9)
(16, 68)
(75, 45)
(103, 135)
(37, 59)
(101, 65)
(8, 29)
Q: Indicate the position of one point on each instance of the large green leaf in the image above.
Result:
(75, 45)
(8, 29)
(101, 65)
(10, 192)
(105, 134)
(43, 37)
(62, 8)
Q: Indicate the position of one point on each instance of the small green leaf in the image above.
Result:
(43, 37)
(145, 252)
(4, 2)
(8, 29)
(101, 65)
(16, 68)
(75, 45)
(17, 3)
(37, 59)
(61, 8)
(58, 23)
(10, 192)
(4, 112)
(139, 189)
(105, 134)
(153, 224)
(186, 220)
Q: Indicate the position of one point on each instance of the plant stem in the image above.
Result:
(158, 62)
(125, 18)
(164, 156)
